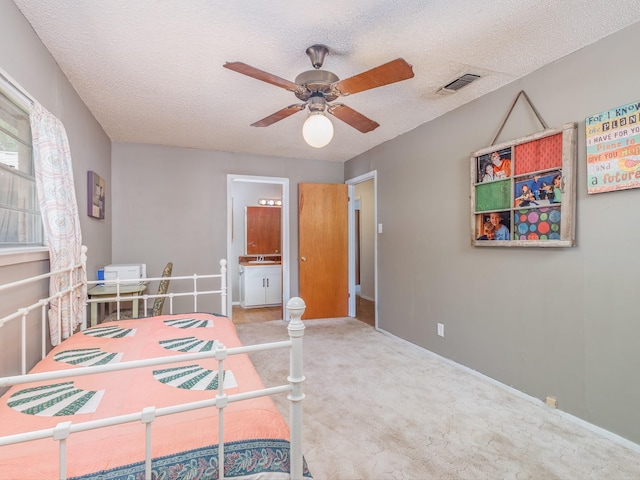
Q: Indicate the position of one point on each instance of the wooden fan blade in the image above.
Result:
(349, 116)
(262, 75)
(279, 115)
(391, 72)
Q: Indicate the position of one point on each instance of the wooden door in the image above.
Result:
(323, 242)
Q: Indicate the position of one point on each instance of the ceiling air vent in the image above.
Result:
(459, 82)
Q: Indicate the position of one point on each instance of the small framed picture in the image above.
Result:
(95, 195)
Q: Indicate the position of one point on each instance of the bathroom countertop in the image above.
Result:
(250, 261)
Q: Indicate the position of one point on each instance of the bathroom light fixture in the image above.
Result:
(271, 202)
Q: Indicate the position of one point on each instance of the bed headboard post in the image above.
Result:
(83, 263)
(296, 307)
(223, 287)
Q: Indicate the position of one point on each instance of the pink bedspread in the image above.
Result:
(119, 393)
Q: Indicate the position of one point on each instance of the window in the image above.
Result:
(523, 191)
(20, 220)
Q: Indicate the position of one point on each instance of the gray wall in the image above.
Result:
(560, 322)
(27, 62)
(171, 202)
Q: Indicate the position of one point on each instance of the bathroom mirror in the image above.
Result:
(262, 230)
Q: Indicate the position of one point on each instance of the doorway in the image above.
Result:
(242, 191)
(363, 248)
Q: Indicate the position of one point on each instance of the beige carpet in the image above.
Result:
(380, 408)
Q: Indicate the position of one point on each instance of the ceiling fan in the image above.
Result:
(319, 88)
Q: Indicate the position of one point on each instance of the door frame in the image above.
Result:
(284, 183)
(372, 175)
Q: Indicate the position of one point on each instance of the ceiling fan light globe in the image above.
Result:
(317, 130)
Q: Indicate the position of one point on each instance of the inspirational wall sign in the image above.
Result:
(613, 149)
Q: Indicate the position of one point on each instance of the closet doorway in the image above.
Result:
(363, 241)
(243, 191)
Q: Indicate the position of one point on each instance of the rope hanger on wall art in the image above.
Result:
(523, 190)
(535, 110)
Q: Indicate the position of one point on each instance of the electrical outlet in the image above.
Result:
(552, 402)
(441, 329)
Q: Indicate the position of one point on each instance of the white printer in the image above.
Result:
(126, 272)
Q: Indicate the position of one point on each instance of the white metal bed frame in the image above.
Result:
(63, 430)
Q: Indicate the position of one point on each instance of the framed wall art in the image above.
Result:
(613, 149)
(95, 195)
(523, 191)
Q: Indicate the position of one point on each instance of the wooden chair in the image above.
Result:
(158, 303)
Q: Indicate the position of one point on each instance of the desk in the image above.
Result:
(103, 291)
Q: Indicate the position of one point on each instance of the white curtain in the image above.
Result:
(59, 209)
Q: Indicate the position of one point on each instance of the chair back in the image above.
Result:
(158, 303)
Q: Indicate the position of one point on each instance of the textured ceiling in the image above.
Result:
(151, 71)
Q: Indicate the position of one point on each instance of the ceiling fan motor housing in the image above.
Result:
(316, 81)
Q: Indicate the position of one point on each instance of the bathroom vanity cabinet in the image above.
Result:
(260, 285)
